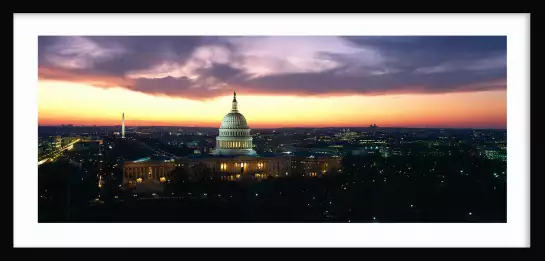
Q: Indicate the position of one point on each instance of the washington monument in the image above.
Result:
(123, 126)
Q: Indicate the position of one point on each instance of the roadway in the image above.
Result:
(53, 155)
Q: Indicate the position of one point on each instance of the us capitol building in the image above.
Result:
(233, 159)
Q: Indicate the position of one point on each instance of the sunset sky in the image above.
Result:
(402, 81)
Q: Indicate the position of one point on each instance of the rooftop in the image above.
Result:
(261, 155)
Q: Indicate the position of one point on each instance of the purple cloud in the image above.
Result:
(206, 67)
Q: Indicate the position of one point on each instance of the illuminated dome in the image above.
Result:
(234, 120)
(234, 134)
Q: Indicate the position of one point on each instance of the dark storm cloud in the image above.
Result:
(177, 87)
(410, 52)
(206, 67)
(404, 82)
(221, 71)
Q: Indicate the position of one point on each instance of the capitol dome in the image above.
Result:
(234, 134)
(234, 120)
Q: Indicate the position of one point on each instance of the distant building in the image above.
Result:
(313, 166)
(67, 140)
(366, 150)
(385, 152)
(388, 151)
(58, 142)
(347, 135)
(144, 170)
(86, 145)
(494, 154)
(192, 144)
(372, 142)
(323, 151)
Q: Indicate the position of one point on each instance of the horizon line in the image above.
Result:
(288, 127)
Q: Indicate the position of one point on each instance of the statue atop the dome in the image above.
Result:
(234, 106)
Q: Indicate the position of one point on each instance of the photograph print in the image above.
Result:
(272, 129)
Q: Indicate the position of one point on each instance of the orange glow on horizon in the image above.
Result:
(79, 104)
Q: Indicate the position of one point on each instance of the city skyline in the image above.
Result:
(434, 82)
